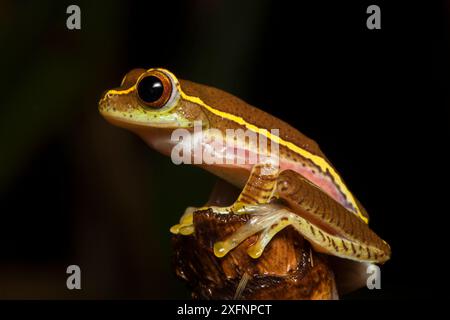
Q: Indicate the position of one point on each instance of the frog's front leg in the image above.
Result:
(259, 189)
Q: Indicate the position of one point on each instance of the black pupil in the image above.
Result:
(150, 89)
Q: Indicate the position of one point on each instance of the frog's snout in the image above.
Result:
(102, 101)
(114, 101)
(105, 101)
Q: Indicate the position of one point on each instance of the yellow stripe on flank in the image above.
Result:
(319, 161)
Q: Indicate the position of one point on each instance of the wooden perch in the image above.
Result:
(288, 268)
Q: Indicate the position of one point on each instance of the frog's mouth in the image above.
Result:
(137, 120)
(123, 110)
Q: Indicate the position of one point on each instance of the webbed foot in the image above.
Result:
(266, 219)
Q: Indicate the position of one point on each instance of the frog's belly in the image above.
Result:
(237, 175)
(238, 171)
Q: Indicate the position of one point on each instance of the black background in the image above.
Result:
(75, 190)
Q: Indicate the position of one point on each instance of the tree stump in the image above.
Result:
(287, 269)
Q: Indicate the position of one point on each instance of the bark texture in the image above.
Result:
(288, 268)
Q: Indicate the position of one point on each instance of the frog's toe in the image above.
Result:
(267, 219)
(183, 229)
(186, 230)
(256, 250)
(186, 225)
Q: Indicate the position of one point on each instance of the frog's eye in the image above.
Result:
(154, 89)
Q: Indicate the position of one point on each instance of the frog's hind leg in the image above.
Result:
(267, 220)
(328, 226)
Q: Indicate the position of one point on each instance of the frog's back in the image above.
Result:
(225, 102)
(298, 152)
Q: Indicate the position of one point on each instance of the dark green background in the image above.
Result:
(75, 190)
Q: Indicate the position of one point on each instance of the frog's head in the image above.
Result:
(149, 99)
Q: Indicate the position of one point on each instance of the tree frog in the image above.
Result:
(301, 189)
